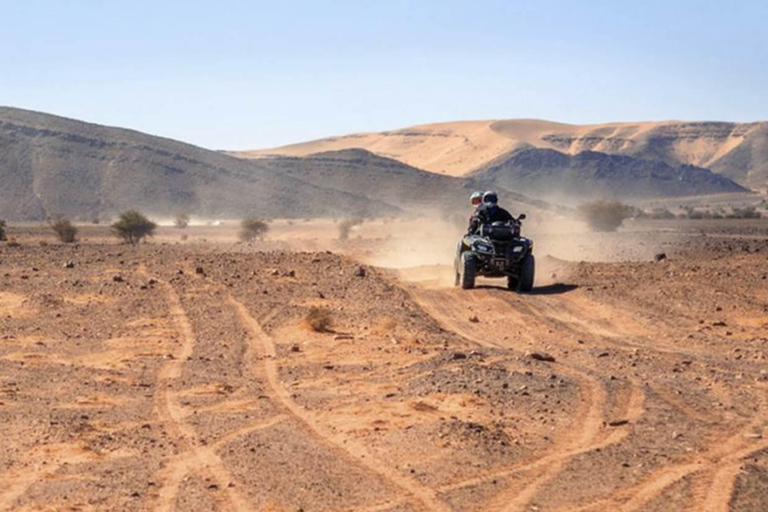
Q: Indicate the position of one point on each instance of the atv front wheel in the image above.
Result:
(468, 270)
(512, 283)
(527, 272)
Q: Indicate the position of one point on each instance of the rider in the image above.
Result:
(489, 212)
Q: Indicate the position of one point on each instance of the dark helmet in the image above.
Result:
(476, 198)
(490, 197)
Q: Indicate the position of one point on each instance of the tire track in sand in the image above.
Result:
(264, 345)
(723, 462)
(172, 414)
(446, 308)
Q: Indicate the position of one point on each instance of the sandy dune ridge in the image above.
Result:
(737, 150)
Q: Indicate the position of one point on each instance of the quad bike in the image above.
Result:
(496, 250)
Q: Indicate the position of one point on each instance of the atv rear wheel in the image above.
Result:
(512, 283)
(467, 270)
(527, 273)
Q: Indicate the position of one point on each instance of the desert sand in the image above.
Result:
(183, 374)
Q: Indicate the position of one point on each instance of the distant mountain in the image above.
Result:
(738, 151)
(51, 166)
(363, 173)
(592, 174)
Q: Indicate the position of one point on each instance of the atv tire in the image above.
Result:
(467, 270)
(527, 273)
(512, 283)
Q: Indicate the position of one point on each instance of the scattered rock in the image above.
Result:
(295, 348)
(474, 319)
(69, 264)
(459, 355)
(290, 273)
(199, 270)
(617, 422)
(117, 278)
(359, 272)
(719, 323)
(541, 356)
(660, 256)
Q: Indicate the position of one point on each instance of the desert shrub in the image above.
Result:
(318, 319)
(132, 227)
(253, 228)
(65, 230)
(660, 213)
(604, 215)
(695, 214)
(181, 221)
(386, 325)
(749, 212)
(13, 243)
(346, 225)
(2, 230)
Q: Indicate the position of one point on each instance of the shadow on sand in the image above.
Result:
(553, 289)
(550, 289)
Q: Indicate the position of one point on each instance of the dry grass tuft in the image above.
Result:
(386, 325)
(318, 319)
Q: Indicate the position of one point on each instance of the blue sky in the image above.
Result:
(241, 75)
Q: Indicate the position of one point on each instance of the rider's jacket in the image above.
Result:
(488, 214)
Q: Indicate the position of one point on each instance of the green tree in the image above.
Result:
(132, 227)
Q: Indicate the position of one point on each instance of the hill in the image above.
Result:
(51, 165)
(363, 173)
(737, 151)
(591, 174)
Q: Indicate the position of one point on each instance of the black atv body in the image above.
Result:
(496, 250)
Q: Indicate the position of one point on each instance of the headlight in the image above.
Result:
(519, 248)
(483, 248)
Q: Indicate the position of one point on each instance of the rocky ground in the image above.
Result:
(190, 377)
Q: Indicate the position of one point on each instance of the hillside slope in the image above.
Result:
(55, 166)
(590, 175)
(737, 151)
(363, 173)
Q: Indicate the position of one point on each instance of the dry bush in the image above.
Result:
(181, 221)
(13, 243)
(132, 227)
(346, 225)
(749, 212)
(2, 231)
(65, 230)
(386, 325)
(660, 214)
(318, 319)
(604, 215)
(252, 228)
